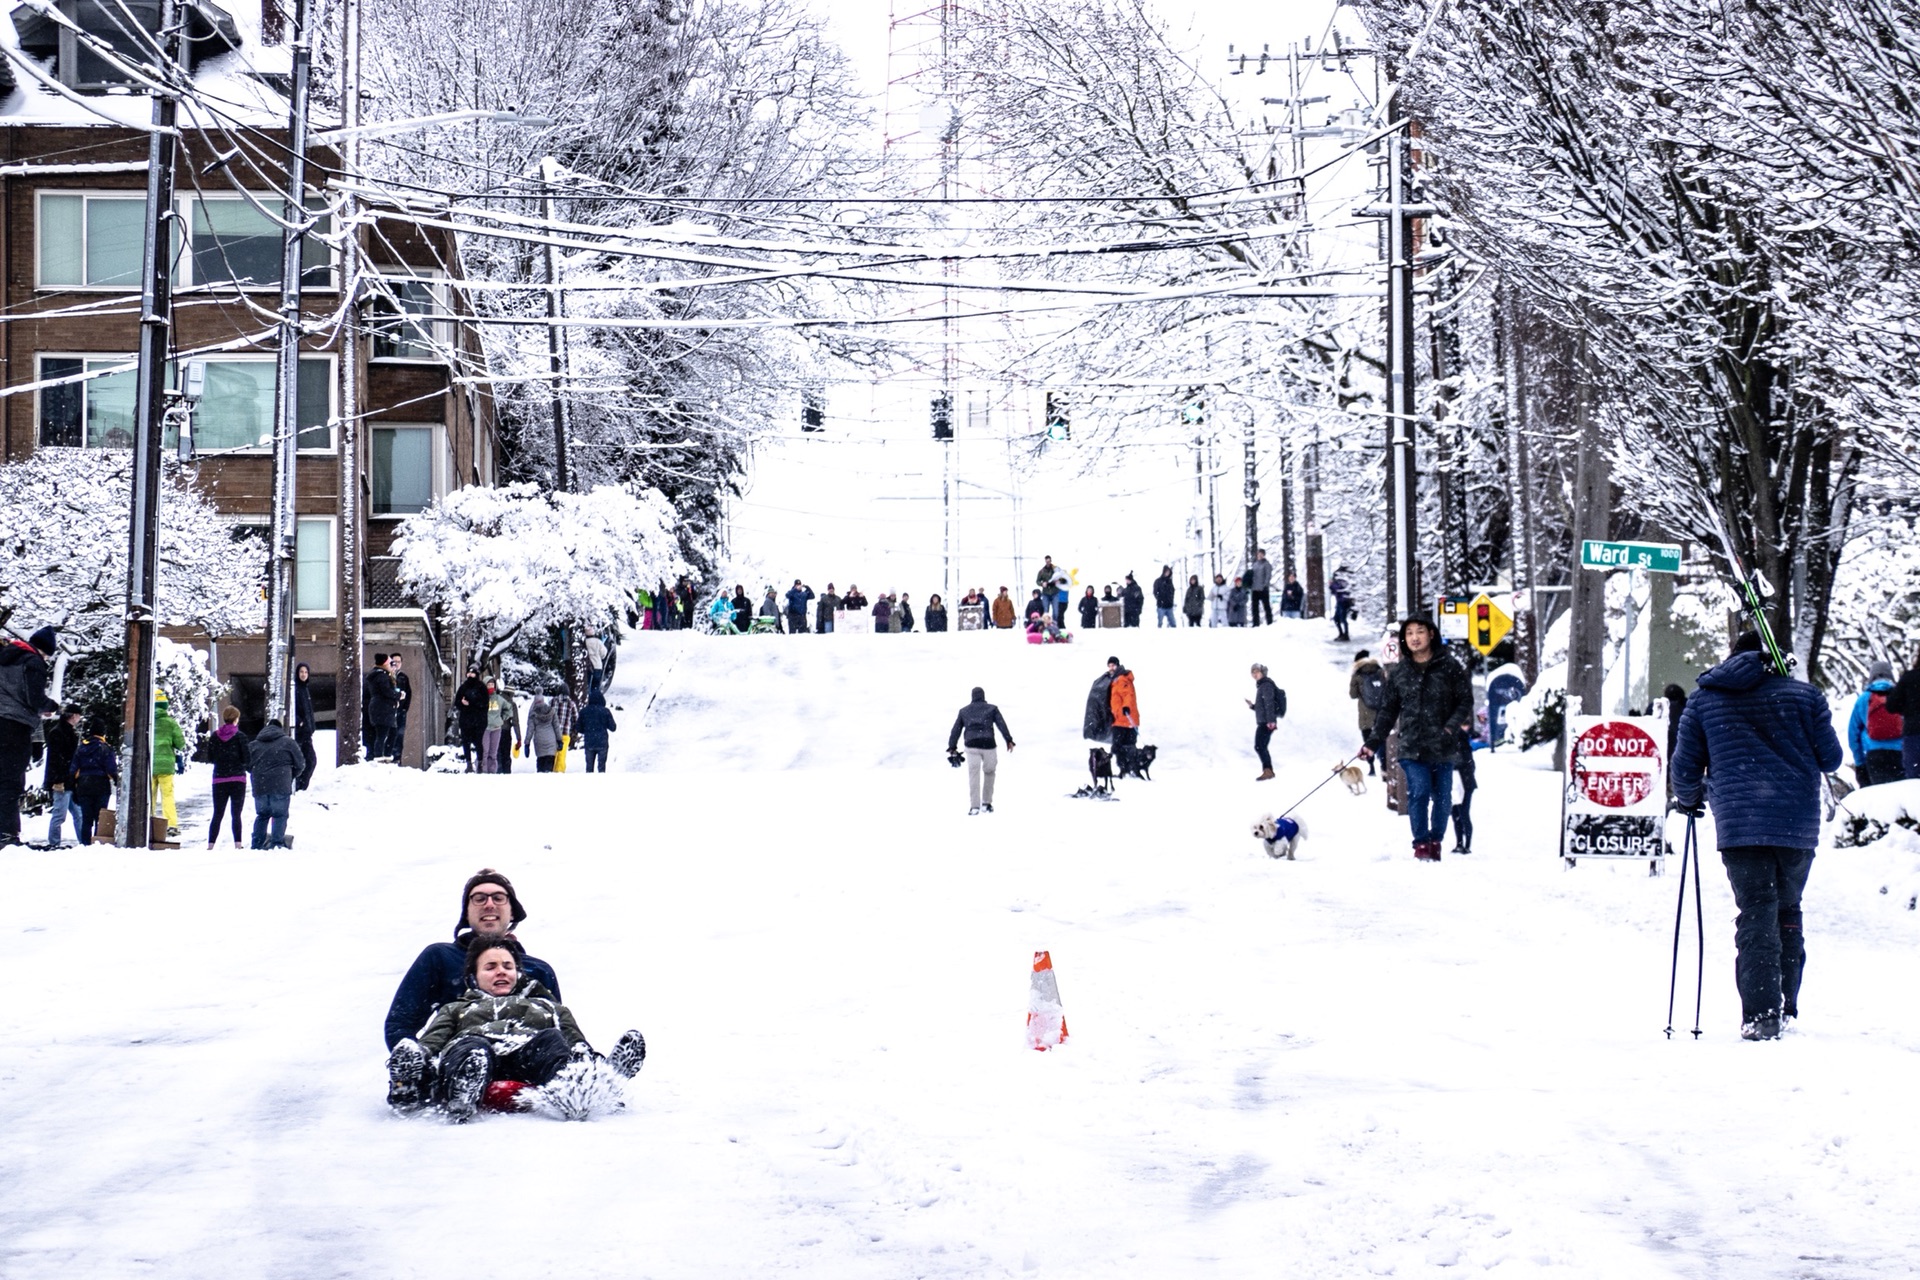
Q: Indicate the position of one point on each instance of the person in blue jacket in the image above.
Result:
(488, 905)
(1875, 730)
(1756, 745)
(592, 728)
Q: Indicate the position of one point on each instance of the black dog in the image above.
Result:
(1135, 762)
(1100, 765)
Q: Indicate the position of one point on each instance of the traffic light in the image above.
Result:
(813, 411)
(1483, 625)
(943, 416)
(1058, 425)
(1194, 411)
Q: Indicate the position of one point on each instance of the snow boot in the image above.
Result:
(629, 1054)
(583, 1089)
(1765, 1026)
(1426, 850)
(407, 1076)
(466, 1082)
(1266, 775)
(986, 808)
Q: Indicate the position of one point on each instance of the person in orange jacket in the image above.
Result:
(1125, 706)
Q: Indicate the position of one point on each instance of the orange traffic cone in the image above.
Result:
(1046, 1019)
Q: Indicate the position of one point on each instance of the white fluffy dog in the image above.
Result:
(1279, 836)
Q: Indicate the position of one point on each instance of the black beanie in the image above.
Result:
(45, 640)
(487, 875)
(480, 943)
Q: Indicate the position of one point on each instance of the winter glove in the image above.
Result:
(1698, 809)
(179, 763)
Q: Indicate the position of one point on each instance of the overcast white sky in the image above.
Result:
(862, 501)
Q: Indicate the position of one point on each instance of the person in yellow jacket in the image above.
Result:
(169, 741)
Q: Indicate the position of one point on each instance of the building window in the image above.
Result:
(402, 329)
(402, 470)
(232, 242)
(236, 411)
(93, 414)
(92, 240)
(313, 566)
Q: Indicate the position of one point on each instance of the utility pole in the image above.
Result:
(346, 697)
(1526, 621)
(556, 349)
(1592, 498)
(1402, 498)
(133, 830)
(286, 385)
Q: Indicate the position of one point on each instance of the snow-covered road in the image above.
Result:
(1349, 1065)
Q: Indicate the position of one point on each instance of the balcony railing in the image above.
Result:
(383, 585)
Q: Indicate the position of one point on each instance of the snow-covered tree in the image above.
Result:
(64, 535)
(501, 562)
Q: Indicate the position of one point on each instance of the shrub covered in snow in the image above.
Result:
(502, 561)
(64, 531)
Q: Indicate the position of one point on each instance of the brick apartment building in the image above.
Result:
(72, 205)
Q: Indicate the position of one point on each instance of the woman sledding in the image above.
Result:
(506, 1029)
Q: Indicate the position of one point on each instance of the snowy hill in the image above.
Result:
(1349, 1065)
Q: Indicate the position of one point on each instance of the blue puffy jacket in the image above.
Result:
(594, 724)
(1857, 737)
(1761, 743)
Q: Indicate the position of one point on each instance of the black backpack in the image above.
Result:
(1373, 689)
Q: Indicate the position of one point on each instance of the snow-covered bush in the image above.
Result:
(502, 561)
(64, 532)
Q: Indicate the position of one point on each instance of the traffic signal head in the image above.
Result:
(1194, 412)
(1058, 425)
(943, 416)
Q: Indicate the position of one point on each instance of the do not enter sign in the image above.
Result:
(1615, 787)
(1615, 764)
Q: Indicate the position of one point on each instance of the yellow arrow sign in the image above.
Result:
(1487, 623)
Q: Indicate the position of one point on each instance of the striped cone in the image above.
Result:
(1046, 1019)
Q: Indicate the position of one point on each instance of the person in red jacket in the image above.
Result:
(1125, 706)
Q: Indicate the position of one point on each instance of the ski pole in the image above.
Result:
(1679, 913)
(1323, 782)
(1700, 923)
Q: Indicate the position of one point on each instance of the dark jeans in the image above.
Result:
(543, 764)
(1881, 767)
(596, 759)
(1262, 599)
(397, 739)
(89, 808)
(505, 757)
(470, 739)
(1770, 951)
(1124, 737)
(536, 1062)
(796, 624)
(1429, 797)
(1910, 754)
(1261, 737)
(16, 753)
(313, 762)
(1340, 611)
(1463, 812)
(227, 794)
(270, 820)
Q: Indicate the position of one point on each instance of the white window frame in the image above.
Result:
(184, 277)
(437, 460)
(443, 332)
(333, 403)
(333, 567)
(39, 225)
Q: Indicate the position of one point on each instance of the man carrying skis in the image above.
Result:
(1769, 739)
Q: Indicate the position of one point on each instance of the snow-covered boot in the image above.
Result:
(407, 1076)
(629, 1054)
(466, 1082)
(1765, 1026)
(584, 1088)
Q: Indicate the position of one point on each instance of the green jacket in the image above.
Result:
(507, 1021)
(168, 737)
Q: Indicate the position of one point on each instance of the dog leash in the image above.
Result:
(1323, 782)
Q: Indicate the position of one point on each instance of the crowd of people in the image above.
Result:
(1245, 599)
(493, 732)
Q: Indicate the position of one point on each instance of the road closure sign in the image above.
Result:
(1616, 787)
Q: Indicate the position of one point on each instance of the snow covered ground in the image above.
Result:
(1348, 1065)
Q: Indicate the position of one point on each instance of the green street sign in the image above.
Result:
(1654, 557)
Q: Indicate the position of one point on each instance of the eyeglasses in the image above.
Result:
(481, 899)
